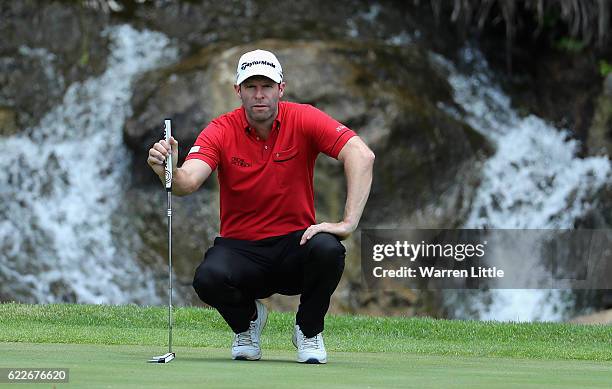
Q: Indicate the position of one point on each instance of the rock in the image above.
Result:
(195, 224)
(182, 93)
(199, 24)
(559, 87)
(429, 171)
(607, 90)
(34, 67)
(603, 318)
(8, 124)
(45, 47)
(599, 141)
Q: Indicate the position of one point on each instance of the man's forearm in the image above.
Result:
(358, 168)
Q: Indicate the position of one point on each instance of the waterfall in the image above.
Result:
(63, 180)
(533, 181)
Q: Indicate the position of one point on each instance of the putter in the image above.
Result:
(169, 356)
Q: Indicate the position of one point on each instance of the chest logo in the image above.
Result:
(240, 162)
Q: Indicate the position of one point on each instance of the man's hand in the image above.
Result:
(158, 154)
(342, 230)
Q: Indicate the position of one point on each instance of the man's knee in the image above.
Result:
(206, 280)
(210, 278)
(328, 251)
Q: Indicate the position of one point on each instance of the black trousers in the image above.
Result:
(236, 272)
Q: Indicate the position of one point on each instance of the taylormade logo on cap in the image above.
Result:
(247, 64)
(259, 63)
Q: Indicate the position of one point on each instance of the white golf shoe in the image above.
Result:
(246, 344)
(309, 350)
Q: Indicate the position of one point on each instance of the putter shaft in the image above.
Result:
(169, 271)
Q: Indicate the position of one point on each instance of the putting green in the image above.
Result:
(105, 366)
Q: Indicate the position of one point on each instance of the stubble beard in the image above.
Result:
(262, 117)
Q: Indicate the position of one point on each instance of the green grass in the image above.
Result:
(196, 327)
(106, 346)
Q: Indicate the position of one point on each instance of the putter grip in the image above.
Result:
(168, 134)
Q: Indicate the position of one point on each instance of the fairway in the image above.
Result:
(99, 366)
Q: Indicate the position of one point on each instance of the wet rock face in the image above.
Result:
(195, 225)
(199, 24)
(599, 143)
(600, 133)
(45, 46)
(8, 121)
(30, 87)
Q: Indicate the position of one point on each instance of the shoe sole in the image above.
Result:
(314, 361)
(244, 358)
(309, 361)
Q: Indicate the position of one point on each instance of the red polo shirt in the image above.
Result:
(266, 186)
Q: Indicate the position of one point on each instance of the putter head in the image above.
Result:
(166, 358)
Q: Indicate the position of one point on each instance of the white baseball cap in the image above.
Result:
(259, 63)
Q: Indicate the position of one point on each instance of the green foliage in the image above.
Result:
(570, 45)
(550, 19)
(84, 60)
(605, 67)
